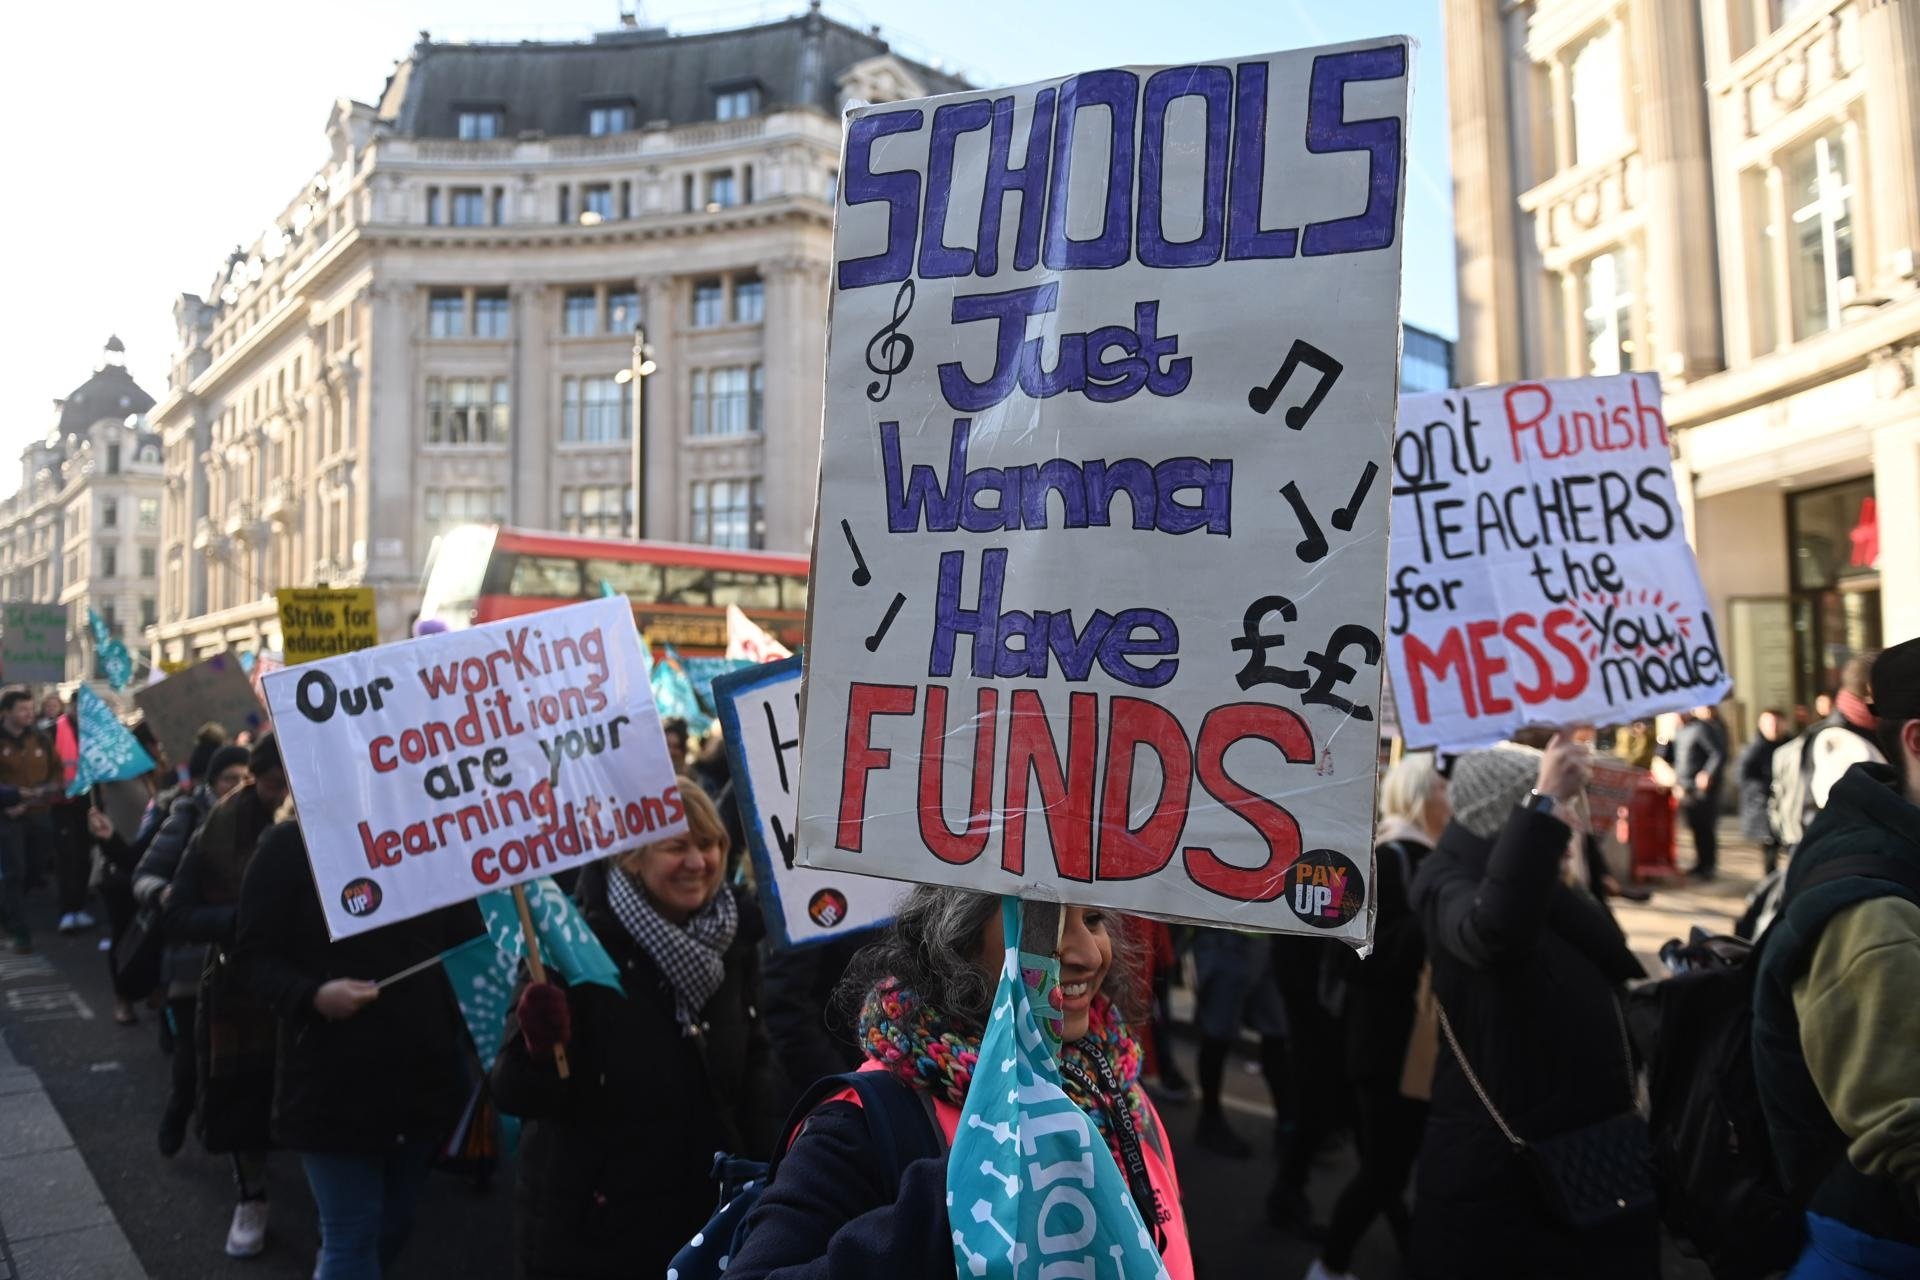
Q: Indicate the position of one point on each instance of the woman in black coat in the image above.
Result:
(616, 1160)
(1528, 970)
(371, 1079)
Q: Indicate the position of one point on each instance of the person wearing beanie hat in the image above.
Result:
(1834, 1015)
(1528, 971)
(237, 1056)
(223, 772)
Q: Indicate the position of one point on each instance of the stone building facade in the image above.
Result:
(83, 529)
(429, 332)
(1726, 193)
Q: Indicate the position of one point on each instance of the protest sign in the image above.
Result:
(33, 643)
(215, 690)
(432, 770)
(751, 642)
(1610, 789)
(108, 751)
(759, 709)
(319, 622)
(1541, 572)
(1096, 614)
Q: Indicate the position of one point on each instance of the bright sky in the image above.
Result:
(150, 139)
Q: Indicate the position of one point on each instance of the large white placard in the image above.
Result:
(760, 714)
(1541, 572)
(1101, 547)
(432, 770)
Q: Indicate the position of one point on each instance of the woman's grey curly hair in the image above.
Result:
(933, 947)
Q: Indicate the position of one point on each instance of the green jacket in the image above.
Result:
(1834, 1017)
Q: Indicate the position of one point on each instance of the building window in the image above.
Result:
(580, 316)
(469, 205)
(1821, 246)
(113, 459)
(1834, 536)
(149, 562)
(446, 315)
(149, 612)
(1785, 11)
(727, 402)
(109, 562)
(477, 124)
(499, 206)
(597, 511)
(446, 508)
(109, 513)
(1607, 313)
(1599, 112)
(467, 411)
(596, 202)
(149, 515)
(594, 410)
(492, 315)
(735, 104)
(749, 301)
(435, 214)
(727, 513)
(623, 310)
(721, 191)
(612, 118)
(709, 304)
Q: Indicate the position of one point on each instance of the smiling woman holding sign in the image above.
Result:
(844, 1202)
(662, 1074)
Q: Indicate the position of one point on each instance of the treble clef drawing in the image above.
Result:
(891, 351)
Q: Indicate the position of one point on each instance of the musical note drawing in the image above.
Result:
(894, 349)
(1343, 518)
(861, 574)
(1261, 399)
(893, 610)
(1314, 545)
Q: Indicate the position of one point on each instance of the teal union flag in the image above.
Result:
(108, 752)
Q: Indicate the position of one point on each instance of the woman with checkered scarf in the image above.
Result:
(615, 1158)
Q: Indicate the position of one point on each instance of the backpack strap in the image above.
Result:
(1873, 866)
(899, 1118)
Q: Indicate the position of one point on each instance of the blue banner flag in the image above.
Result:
(1031, 1185)
(108, 752)
(482, 976)
(111, 652)
(567, 941)
(674, 694)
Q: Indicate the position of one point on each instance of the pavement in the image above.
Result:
(84, 1193)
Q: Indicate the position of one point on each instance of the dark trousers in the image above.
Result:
(116, 893)
(1701, 814)
(186, 1071)
(72, 856)
(1387, 1129)
(23, 851)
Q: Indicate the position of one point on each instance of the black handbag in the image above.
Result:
(137, 953)
(1586, 1177)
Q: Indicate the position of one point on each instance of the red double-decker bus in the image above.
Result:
(680, 593)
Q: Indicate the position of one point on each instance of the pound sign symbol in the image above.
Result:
(1333, 672)
(1255, 644)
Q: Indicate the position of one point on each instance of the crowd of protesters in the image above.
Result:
(1486, 1023)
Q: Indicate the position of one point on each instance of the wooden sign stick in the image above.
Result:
(537, 969)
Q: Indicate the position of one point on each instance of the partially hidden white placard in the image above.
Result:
(430, 771)
(1100, 554)
(1541, 571)
(760, 716)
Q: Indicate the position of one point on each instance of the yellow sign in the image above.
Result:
(320, 622)
(172, 667)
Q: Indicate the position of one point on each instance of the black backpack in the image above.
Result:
(1721, 1194)
(899, 1118)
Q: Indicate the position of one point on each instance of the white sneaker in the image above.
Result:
(81, 920)
(248, 1234)
(67, 924)
(1319, 1271)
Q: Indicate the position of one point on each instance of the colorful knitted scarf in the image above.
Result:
(917, 1043)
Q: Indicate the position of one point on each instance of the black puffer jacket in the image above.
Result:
(615, 1165)
(396, 1069)
(159, 864)
(1528, 971)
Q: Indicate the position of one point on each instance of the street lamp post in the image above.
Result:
(635, 374)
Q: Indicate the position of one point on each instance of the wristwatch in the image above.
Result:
(1540, 802)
